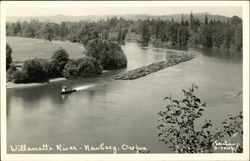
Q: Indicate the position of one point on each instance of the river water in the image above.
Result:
(117, 112)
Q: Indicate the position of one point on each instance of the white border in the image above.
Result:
(242, 157)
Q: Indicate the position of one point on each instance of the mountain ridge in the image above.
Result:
(61, 17)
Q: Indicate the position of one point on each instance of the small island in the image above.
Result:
(154, 67)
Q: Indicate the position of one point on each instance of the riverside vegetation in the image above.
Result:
(193, 31)
(102, 38)
(177, 120)
(59, 65)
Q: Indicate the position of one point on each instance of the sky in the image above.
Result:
(100, 10)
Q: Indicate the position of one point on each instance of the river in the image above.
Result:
(117, 112)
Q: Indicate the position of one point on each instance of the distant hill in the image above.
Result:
(59, 18)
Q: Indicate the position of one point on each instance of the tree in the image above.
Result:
(109, 54)
(144, 29)
(183, 35)
(70, 70)
(34, 70)
(122, 35)
(59, 60)
(206, 37)
(89, 67)
(53, 69)
(8, 56)
(238, 37)
(47, 31)
(191, 21)
(83, 67)
(206, 20)
(20, 77)
(10, 72)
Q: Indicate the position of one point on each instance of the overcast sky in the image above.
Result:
(81, 11)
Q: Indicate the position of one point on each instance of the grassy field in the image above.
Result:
(27, 48)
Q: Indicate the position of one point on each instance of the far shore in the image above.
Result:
(10, 85)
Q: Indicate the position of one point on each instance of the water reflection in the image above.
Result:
(228, 55)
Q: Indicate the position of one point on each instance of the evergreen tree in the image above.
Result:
(145, 36)
(191, 20)
(206, 20)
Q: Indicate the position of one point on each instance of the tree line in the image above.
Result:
(113, 29)
(192, 32)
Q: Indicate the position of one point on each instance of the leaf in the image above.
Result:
(167, 117)
(176, 101)
(159, 126)
(197, 100)
(178, 112)
(185, 100)
(160, 134)
(204, 104)
(206, 125)
(201, 109)
(166, 98)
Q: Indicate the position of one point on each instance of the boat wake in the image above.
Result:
(83, 87)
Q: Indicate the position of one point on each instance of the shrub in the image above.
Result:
(61, 57)
(10, 72)
(34, 70)
(8, 56)
(177, 125)
(70, 70)
(89, 67)
(20, 77)
(83, 67)
(53, 69)
(232, 126)
(108, 53)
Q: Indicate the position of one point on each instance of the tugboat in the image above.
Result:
(66, 89)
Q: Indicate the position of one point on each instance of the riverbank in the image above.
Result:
(10, 85)
(154, 67)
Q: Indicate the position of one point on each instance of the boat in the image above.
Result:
(66, 89)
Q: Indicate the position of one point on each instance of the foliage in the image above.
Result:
(144, 30)
(10, 72)
(34, 70)
(232, 127)
(59, 60)
(177, 125)
(70, 70)
(83, 67)
(89, 67)
(108, 53)
(122, 35)
(53, 69)
(206, 37)
(212, 33)
(20, 77)
(8, 56)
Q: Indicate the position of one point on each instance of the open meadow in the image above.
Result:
(28, 48)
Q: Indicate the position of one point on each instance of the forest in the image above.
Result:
(186, 33)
